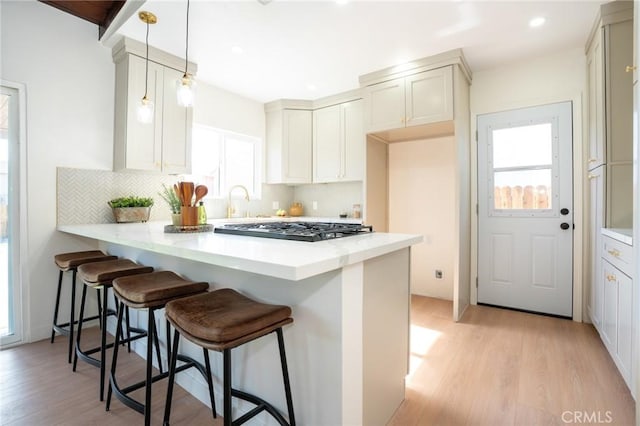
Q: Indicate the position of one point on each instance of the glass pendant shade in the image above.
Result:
(186, 91)
(145, 111)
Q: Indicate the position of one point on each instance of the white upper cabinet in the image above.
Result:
(163, 145)
(288, 145)
(338, 143)
(417, 99)
(595, 76)
(385, 105)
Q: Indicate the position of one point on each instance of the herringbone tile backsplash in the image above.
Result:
(83, 194)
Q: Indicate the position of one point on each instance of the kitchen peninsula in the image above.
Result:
(348, 347)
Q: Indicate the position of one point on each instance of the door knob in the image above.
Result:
(564, 211)
(564, 225)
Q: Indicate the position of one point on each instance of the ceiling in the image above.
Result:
(99, 12)
(308, 50)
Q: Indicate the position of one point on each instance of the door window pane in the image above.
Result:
(522, 190)
(523, 146)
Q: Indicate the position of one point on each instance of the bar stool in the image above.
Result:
(222, 320)
(101, 275)
(70, 262)
(152, 291)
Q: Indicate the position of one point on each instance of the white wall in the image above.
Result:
(69, 80)
(332, 199)
(422, 201)
(537, 81)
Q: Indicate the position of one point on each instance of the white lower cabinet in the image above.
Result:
(616, 327)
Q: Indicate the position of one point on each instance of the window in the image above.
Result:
(222, 159)
(522, 158)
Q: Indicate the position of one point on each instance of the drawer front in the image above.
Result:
(618, 254)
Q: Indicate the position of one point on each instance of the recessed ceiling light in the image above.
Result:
(341, 2)
(537, 22)
(237, 50)
(311, 87)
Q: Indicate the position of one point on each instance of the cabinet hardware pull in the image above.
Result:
(611, 277)
(630, 68)
(614, 253)
(593, 160)
(590, 176)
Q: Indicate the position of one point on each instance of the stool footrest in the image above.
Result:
(60, 328)
(84, 354)
(261, 405)
(121, 394)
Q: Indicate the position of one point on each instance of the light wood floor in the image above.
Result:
(496, 367)
(501, 367)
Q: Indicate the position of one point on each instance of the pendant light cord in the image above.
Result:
(146, 65)
(186, 53)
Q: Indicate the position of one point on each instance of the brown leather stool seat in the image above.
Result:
(152, 291)
(222, 320)
(100, 275)
(70, 262)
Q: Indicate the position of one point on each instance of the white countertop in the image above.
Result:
(624, 235)
(290, 260)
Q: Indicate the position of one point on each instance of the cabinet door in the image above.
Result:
(596, 102)
(142, 141)
(609, 330)
(296, 146)
(596, 219)
(327, 144)
(176, 128)
(429, 97)
(619, 92)
(385, 106)
(354, 140)
(625, 324)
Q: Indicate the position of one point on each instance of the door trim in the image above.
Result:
(579, 111)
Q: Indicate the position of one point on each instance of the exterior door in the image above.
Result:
(525, 209)
(10, 284)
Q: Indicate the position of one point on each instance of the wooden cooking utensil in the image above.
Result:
(201, 191)
(188, 193)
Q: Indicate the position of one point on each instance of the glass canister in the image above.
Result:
(357, 211)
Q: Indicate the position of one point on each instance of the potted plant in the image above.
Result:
(169, 195)
(131, 209)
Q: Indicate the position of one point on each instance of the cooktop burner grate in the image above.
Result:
(297, 231)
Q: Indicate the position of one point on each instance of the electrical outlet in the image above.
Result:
(275, 205)
(438, 274)
(315, 205)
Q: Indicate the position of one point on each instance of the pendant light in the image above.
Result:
(186, 84)
(145, 108)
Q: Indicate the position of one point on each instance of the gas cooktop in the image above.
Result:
(298, 231)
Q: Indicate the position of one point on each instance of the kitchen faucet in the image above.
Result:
(230, 209)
